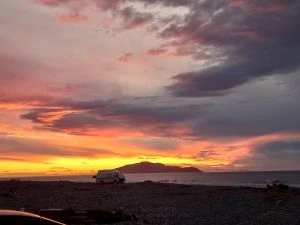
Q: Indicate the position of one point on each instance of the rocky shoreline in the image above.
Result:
(158, 203)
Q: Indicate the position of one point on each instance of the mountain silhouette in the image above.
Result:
(148, 167)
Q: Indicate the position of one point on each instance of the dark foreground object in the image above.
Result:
(161, 204)
(74, 217)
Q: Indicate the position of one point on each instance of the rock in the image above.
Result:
(10, 194)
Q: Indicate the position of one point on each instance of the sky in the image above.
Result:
(98, 84)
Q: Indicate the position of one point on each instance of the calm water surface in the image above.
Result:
(250, 179)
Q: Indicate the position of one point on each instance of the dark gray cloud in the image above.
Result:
(280, 149)
(264, 107)
(205, 154)
(276, 155)
(155, 143)
(245, 125)
(75, 120)
(254, 43)
(68, 122)
(159, 119)
(134, 19)
(243, 40)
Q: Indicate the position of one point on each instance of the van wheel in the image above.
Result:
(101, 182)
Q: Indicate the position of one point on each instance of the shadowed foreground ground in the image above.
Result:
(156, 203)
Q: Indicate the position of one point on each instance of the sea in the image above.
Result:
(245, 179)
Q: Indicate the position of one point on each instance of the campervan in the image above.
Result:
(110, 176)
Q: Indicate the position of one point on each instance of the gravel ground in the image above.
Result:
(157, 203)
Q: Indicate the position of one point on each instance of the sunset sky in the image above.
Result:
(97, 84)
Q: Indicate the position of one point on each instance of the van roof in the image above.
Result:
(107, 171)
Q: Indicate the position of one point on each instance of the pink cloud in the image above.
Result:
(134, 25)
(52, 3)
(137, 23)
(247, 34)
(177, 52)
(73, 17)
(107, 22)
(272, 6)
(157, 52)
(125, 58)
(185, 52)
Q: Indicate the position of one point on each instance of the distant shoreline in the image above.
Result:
(15, 181)
(206, 172)
(244, 179)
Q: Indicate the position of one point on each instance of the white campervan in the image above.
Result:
(110, 176)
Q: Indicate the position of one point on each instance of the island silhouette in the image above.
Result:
(148, 167)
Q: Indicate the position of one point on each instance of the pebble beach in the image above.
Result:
(159, 203)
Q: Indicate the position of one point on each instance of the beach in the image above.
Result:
(159, 203)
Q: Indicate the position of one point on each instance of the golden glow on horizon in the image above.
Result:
(79, 166)
(121, 155)
(20, 168)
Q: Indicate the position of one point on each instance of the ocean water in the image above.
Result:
(247, 179)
